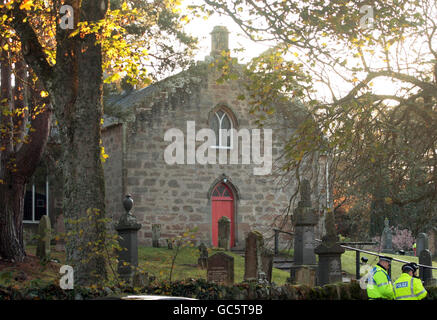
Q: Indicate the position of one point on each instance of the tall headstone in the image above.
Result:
(224, 233)
(156, 234)
(44, 235)
(203, 256)
(422, 242)
(252, 257)
(221, 269)
(267, 263)
(127, 229)
(304, 236)
(329, 252)
(425, 258)
(387, 237)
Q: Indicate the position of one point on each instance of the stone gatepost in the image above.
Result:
(304, 265)
(224, 233)
(127, 229)
(329, 252)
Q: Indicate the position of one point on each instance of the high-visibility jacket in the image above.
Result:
(409, 288)
(379, 284)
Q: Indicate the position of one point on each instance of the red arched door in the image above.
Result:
(222, 205)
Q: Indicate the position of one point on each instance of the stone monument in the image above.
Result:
(221, 269)
(203, 258)
(44, 235)
(304, 239)
(387, 245)
(253, 265)
(329, 252)
(422, 242)
(156, 234)
(127, 229)
(224, 233)
(425, 258)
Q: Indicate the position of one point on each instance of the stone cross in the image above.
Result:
(305, 219)
(44, 235)
(127, 229)
(387, 245)
(224, 233)
(221, 269)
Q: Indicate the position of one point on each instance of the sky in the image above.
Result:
(202, 28)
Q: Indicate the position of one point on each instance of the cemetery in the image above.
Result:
(174, 149)
(318, 270)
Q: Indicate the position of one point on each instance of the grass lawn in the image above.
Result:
(348, 263)
(157, 262)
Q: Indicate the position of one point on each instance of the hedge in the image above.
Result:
(199, 289)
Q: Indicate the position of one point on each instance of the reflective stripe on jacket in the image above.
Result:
(379, 284)
(409, 288)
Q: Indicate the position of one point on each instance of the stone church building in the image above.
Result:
(154, 140)
(157, 138)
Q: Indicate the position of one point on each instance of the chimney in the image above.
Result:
(219, 40)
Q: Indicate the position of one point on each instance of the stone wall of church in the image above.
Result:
(112, 138)
(176, 196)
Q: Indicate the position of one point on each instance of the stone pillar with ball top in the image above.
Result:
(127, 229)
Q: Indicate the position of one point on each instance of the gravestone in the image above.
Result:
(44, 234)
(127, 229)
(422, 243)
(221, 269)
(425, 274)
(252, 257)
(387, 236)
(304, 235)
(224, 233)
(267, 263)
(203, 258)
(329, 252)
(156, 234)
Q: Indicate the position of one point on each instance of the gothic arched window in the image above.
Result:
(221, 122)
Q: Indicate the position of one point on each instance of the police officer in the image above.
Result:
(379, 286)
(408, 286)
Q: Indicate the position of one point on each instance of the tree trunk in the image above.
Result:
(10, 246)
(84, 188)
